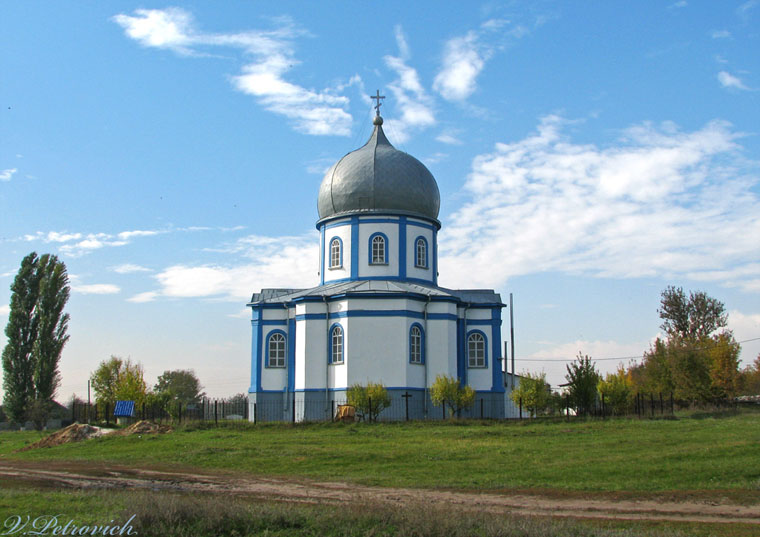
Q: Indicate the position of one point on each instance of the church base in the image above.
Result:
(406, 404)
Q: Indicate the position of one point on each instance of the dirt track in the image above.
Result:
(78, 475)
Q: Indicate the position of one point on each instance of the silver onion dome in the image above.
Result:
(378, 178)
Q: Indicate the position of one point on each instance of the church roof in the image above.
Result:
(378, 178)
(376, 287)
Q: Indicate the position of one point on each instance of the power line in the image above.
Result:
(637, 357)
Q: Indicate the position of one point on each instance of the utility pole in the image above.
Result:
(88, 400)
(512, 337)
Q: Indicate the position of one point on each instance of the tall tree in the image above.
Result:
(699, 359)
(36, 333)
(180, 385)
(532, 393)
(582, 379)
(690, 319)
(117, 379)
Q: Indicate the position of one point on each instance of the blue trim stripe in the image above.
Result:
(377, 313)
(498, 360)
(322, 256)
(291, 354)
(354, 248)
(402, 248)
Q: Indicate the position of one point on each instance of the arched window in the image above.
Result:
(377, 249)
(336, 345)
(276, 350)
(416, 352)
(420, 249)
(476, 349)
(336, 253)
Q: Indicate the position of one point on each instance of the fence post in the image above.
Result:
(662, 408)
(332, 407)
(672, 408)
(216, 415)
(369, 417)
(651, 402)
(520, 407)
(255, 415)
(406, 397)
(481, 409)
(294, 408)
(567, 406)
(443, 410)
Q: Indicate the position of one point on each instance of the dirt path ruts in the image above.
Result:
(84, 477)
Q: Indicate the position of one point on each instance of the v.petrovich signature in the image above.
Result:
(54, 525)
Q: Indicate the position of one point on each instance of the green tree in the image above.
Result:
(117, 379)
(693, 318)
(699, 359)
(36, 333)
(750, 378)
(582, 379)
(181, 385)
(617, 389)
(369, 400)
(533, 392)
(448, 391)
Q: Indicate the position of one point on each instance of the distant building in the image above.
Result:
(378, 313)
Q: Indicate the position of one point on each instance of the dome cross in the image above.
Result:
(377, 97)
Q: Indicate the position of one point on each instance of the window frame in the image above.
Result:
(371, 244)
(269, 358)
(332, 348)
(472, 361)
(421, 350)
(340, 253)
(417, 253)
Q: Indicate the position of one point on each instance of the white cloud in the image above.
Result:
(659, 202)
(449, 137)
(310, 111)
(95, 289)
(148, 296)
(679, 4)
(720, 34)
(269, 262)
(129, 268)
(126, 235)
(7, 174)
(409, 95)
(728, 80)
(5, 310)
(462, 63)
(746, 326)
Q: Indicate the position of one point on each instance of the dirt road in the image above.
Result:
(88, 476)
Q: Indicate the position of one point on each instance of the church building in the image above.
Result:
(378, 314)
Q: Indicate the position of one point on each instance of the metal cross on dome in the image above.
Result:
(377, 98)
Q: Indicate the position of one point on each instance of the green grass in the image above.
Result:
(169, 515)
(697, 453)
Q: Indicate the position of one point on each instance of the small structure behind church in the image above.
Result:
(378, 314)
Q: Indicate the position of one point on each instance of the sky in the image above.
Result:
(588, 155)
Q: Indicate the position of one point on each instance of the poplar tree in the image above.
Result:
(36, 333)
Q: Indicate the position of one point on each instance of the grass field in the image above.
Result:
(700, 455)
(701, 452)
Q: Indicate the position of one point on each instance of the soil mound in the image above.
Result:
(145, 427)
(73, 433)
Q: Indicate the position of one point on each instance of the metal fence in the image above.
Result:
(406, 407)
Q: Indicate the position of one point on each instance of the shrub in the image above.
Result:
(448, 391)
(369, 400)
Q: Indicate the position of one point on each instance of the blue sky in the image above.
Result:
(588, 155)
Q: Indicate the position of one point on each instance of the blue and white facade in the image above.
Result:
(378, 313)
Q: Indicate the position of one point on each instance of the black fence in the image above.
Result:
(406, 407)
(208, 410)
